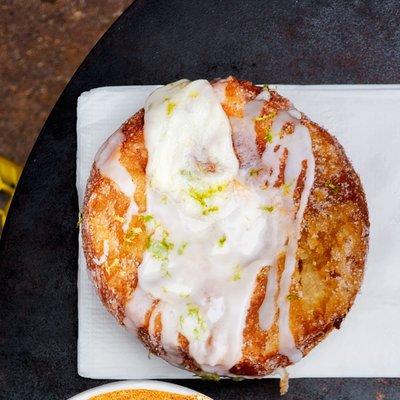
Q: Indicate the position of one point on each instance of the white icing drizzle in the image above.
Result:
(130, 212)
(107, 161)
(299, 148)
(243, 133)
(268, 307)
(109, 165)
(213, 225)
(103, 257)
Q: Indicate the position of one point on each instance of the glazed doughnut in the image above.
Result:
(224, 228)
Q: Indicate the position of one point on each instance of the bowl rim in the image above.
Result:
(136, 384)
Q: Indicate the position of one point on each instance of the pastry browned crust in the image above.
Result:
(331, 251)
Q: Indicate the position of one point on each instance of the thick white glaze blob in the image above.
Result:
(187, 134)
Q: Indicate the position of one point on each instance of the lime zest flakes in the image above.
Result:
(159, 249)
(80, 219)
(193, 94)
(208, 376)
(286, 188)
(119, 219)
(170, 107)
(164, 199)
(265, 87)
(110, 266)
(222, 240)
(260, 118)
(188, 174)
(210, 210)
(332, 187)
(292, 296)
(181, 321)
(132, 234)
(267, 208)
(255, 171)
(268, 136)
(194, 312)
(237, 273)
(203, 196)
(115, 263)
(197, 333)
(182, 248)
(164, 271)
(266, 117)
(198, 196)
(147, 218)
(159, 246)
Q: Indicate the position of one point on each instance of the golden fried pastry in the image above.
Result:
(224, 228)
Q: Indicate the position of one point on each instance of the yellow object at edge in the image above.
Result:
(9, 175)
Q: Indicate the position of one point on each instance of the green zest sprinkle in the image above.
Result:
(267, 117)
(160, 249)
(170, 107)
(286, 188)
(187, 173)
(265, 87)
(114, 263)
(237, 273)
(255, 171)
(194, 312)
(334, 188)
(119, 219)
(80, 219)
(182, 248)
(164, 271)
(221, 241)
(291, 297)
(202, 196)
(181, 321)
(210, 210)
(197, 333)
(164, 199)
(132, 233)
(209, 376)
(260, 118)
(267, 208)
(268, 136)
(193, 94)
(147, 218)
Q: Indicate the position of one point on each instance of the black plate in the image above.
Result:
(158, 41)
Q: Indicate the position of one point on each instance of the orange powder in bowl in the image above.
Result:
(145, 394)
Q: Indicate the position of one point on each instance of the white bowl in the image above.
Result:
(138, 384)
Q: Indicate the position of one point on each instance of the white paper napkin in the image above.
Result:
(366, 120)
